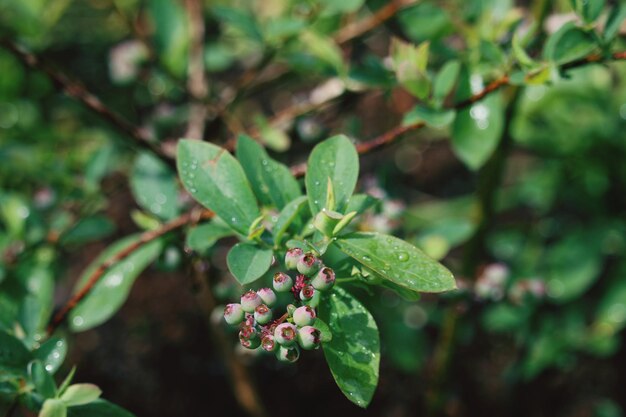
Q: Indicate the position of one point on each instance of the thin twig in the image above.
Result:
(197, 85)
(87, 99)
(243, 388)
(183, 220)
(361, 27)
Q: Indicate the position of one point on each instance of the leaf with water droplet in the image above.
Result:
(52, 353)
(154, 186)
(343, 173)
(220, 183)
(112, 289)
(477, 130)
(248, 262)
(417, 272)
(353, 354)
(271, 181)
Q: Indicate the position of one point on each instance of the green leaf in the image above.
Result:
(432, 117)
(14, 356)
(52, 353)
(88, 229)
(271, 181)
(445, 80)
(41, 379)
(154, 186)
(53, 408)
(397, 261)
(248, 262)
(409, 63)
(171, 34)
(568, 44)
(202, 238)
(360, 203)
(112, 289)
(273, 137)
(98, 408)
(589, 10)
(296, 212)
(334, 159)
(520, 53)
(325, 49)
(240, 19)
(325, 334)
(353, 354)
(217, 181)
(340, 7)
(614, 21)
(477, 130)
(79, 394)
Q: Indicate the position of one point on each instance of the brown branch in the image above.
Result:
(241, 383)
(188, 218)
(78, 92)
(361, 27)
(197, 85)
(393, 134)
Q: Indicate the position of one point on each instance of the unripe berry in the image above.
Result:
(292, 257)
(268, 296)
(304, 316)
(315, 301)
(233, 314)
(307, 292)
(262, 314)
(250, 343)
(288, 354)
(282, 282)
(285, 334)
(324, 279)
(309, 337)
(268, 343)
(248, 333)
(250, 301)
(309, 264)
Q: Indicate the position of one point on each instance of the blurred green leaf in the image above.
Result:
(171, 36)
(248, 262)
(432, 117)
(42, 379)
(325, 49)
(79, 394)
(568, 44)
(154, 186)
(614, 21)
(217, 181)
(445, 79)
(353, 354)
(13, 354)
(52, 353)
(477, 130)
(53, 408)
(112, 289)
(98, 408)
(88, 229)
(202, 238)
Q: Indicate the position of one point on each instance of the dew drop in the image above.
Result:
(366, 258)
(49, 368)
(403, 256)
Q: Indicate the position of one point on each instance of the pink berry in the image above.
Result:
(250, 301)
(304, 316)
(233, 314)
(285, 334)
(324, 279)
(282, 282)
(292, 257)
(268, 296)
(309, 337)
(307, 292)
(262, 314)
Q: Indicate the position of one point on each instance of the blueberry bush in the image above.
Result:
(295, 206)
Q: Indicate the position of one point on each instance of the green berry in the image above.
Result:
(262, 314)
(309, 264)
(282, 282)
(309, 337)
(268, 296)
(290, 309)
(307, 292)
(250, 301)
(288, 354)
(233, 314)
(292, 257)
(285, 334)
(304, 316)
(268, 343)
(324, 279)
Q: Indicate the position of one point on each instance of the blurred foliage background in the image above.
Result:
(521, 195)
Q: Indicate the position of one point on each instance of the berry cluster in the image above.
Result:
(294, 330)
